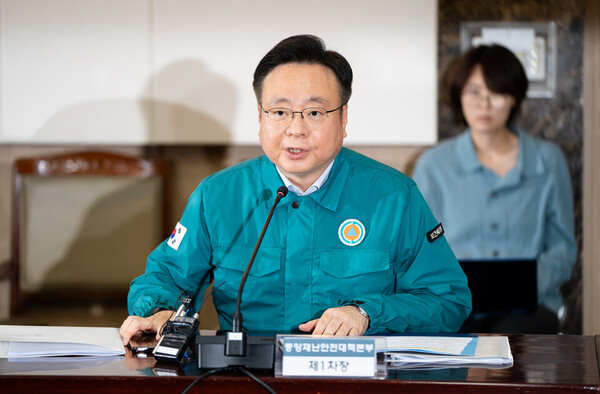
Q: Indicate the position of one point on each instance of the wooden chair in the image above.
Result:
(83, 225)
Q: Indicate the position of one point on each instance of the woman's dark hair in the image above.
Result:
(502, 72)
(306, 49)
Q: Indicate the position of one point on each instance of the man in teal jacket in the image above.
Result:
(352, 249)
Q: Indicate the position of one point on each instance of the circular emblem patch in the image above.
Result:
(351, 232)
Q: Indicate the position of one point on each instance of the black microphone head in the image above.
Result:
(283, 191)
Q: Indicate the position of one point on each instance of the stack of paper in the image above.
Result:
(43, 341)
(448, 350)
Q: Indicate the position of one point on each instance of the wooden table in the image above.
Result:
(543, 364)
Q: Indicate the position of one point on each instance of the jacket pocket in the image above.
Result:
(351, 263)
(344, 275)
(267, 261)
(263, 290)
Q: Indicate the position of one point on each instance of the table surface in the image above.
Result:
(542, 364)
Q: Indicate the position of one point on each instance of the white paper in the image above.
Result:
(3, 349)
(491, 350)
(42, 341)
(45, 349)
(428, 344)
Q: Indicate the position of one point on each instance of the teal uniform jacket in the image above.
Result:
(402, 280)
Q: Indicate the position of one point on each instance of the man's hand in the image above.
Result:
(137, 326)
(342, 321)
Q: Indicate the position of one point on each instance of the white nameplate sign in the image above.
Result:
(326, 356)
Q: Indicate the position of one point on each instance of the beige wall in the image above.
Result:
(148, 72)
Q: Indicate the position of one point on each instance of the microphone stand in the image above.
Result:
(236, 348)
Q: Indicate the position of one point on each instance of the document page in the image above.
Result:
(448, 345)
(484, 350)
(41, 341)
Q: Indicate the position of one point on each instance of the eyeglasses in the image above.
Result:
(314, 116)
(473, 97)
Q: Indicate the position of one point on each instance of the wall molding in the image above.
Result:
(591, 170)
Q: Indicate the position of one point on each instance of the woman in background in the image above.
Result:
(499, 192)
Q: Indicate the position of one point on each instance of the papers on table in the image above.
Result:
(43, 341)
(441, 345)
(415, 351)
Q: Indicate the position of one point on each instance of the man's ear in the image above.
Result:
(344, 119)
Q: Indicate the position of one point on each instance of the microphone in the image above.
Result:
(237, 316)
(237, 346)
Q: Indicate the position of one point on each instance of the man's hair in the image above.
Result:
(502, 72)
(304, 49)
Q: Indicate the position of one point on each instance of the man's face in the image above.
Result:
(299, 148)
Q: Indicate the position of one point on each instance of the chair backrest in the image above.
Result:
(84, 223)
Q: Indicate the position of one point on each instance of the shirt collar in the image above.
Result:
(529, 162)
(313, 188)
(465, 152)
(328, 196)
(530, 156)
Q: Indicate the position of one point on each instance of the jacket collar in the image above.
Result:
(328, 196)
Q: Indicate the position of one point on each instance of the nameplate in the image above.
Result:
(328, 356)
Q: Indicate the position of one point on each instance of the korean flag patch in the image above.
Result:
(177, 236)
(435, 233)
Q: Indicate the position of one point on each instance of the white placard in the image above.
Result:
(328, 366)
(322, 356)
